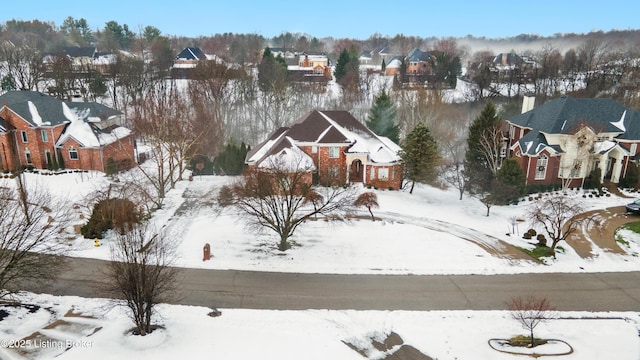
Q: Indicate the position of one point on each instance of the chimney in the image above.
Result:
(528, 102)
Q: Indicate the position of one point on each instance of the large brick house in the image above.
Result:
(563, 140)
(40, 131)
(336, 148)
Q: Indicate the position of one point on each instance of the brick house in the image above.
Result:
(563, 140)
(336, 148)
(37, 130)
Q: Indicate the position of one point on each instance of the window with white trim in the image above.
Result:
(541, 167)
(25, 139)
(27, 154)
(575, 169)
(383, 174)
(334, 152)
(73, 154)
(45, 137)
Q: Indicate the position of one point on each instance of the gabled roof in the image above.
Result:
(191, 53)
(566, 115)
(93, 111)
(327, 127)
(36, 108)
(417, 55)
(80, 51)
(534, 142)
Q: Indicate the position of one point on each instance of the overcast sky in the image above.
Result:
(340, 18)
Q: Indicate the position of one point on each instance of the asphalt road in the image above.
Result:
(287, 291)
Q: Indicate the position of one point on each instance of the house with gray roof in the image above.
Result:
(563, 140)
(40, 131)
(335, 147)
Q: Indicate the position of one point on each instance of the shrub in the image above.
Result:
(110, 167)
(542, 240)
(631, 178)
(118, 214)
(225, 196)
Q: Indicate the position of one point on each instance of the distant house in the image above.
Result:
(310, 68)
(336, 148)
(81, 57)
(392, 68)
(40, 131)
(188, 59)
(563, 140)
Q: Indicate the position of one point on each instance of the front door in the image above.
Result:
(355, 171)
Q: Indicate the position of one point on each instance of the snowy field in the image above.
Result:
(96, 329)
(428, 232)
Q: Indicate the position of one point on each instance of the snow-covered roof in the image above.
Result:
(288, 158)
(328, 128)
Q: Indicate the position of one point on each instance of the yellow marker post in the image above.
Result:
(97, 243)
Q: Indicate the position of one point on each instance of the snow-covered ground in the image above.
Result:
(428, 232)
(96, 329)
(417, 233)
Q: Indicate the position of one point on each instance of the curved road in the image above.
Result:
(288, 291)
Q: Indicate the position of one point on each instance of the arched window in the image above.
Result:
(541, 167)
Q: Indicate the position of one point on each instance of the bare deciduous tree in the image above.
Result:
(141, 273)
(491, 143)
(369, 200)
(30, 245)
(559, 216)
(23, 63)
(277, 198)
(530, 311)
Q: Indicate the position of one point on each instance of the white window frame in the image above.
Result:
(27, 155)
(542, 163)
(25, 138)
(383, 174)
(73, 150)
(45, 136)
(334, 152)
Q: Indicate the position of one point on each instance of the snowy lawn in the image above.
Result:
(317, 334)
(428, 232)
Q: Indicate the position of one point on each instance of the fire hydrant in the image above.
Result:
(97, 243)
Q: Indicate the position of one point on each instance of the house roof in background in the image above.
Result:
(191, 53)
(566, 115)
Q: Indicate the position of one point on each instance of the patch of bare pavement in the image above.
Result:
(601, 231)
(391, 348)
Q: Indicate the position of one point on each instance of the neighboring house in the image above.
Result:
(40, 131)
(310, 68)
(563, 140)
(393, 67)
(336, 148)
(418, 62)
(81, 57)
(188, 59)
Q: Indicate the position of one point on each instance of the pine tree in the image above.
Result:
(272, 72)
(481, 179)
(477, 165)
(382, 118)
(512, 178)
(420, 156)
(347, 70)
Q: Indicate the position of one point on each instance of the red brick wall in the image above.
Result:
(96, 159)
(35, 144)
(394, 180)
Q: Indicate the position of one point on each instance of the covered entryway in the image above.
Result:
(356, 170)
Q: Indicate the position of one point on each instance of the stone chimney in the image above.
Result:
(528, 102)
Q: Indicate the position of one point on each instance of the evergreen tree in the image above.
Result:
(347, 70)
(230, 161)
(382, 118)
(272, 72)
(481, 179)
(420, 156)
(8, 83)
(512, 178)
